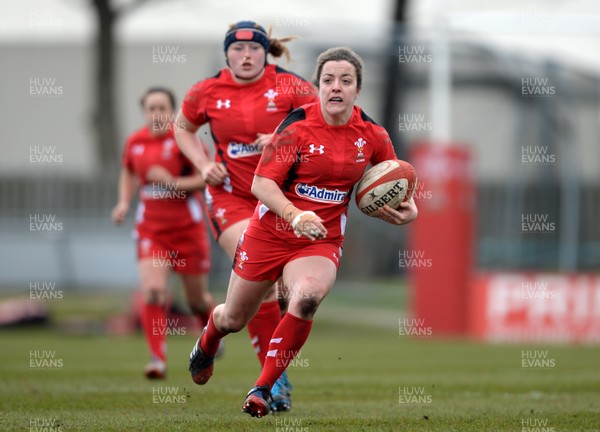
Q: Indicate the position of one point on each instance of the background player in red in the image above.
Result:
(170, 231)
(243, 104)
(334, 142)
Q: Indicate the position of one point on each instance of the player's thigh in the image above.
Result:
(154, 279)
(308, 280)
(229, 238)
(243, 299)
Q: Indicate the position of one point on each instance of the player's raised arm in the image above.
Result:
(190, 144)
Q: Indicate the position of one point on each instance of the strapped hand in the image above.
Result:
(308, 224)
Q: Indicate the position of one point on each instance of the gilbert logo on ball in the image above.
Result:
(389, 182)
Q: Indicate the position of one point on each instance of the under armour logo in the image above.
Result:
(226, 103)
(320, 149)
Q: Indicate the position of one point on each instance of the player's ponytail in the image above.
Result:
(278, 47)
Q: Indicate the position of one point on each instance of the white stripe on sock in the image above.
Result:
(276, 340)
(272, 353)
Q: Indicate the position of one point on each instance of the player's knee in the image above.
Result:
(232, 323)
(154, 295)
(312, 291)
(308, 305)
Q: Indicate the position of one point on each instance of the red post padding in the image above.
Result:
(442, 236)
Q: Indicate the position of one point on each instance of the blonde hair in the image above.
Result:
(278, 46)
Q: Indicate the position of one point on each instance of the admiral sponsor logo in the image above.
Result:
(238, 150)
(318, 194)
(384, 199)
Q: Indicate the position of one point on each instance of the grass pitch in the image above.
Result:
(354, 374)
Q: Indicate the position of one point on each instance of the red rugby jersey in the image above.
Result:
(237, 112)
(317, 166)
(160, 205)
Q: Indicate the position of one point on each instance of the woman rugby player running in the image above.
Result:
(170, 231)
(334, 141)
(243, 104)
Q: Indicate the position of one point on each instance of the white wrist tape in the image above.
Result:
(299, 216)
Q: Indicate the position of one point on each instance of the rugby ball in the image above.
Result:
(389, 182)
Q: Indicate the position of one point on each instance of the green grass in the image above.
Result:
(350, 377)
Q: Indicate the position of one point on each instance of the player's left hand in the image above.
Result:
(309, 225)
(159, 174)
(262, 140)
(407, 212)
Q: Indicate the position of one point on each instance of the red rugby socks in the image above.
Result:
(262, 326)
(154, 323)
(210, 340)
(288, 338)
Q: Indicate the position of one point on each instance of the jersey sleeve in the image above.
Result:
(279, 155)
(384, 150)
(194, 103)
